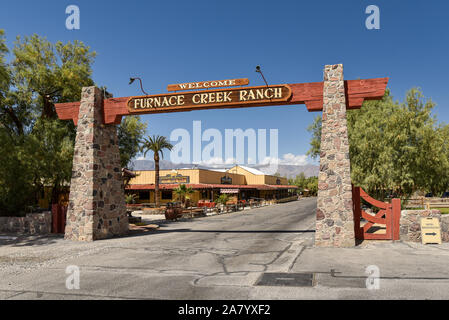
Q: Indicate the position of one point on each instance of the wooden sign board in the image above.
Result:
(430, 231)
(174, 178)
(212, 98)
(207, 84)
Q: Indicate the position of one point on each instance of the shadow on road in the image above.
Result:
(29, 240)
(236, 231)
(159, 231)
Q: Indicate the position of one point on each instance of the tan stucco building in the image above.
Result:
(243, 183)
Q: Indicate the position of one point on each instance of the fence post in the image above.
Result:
(58, 218)
(390, 221)
(62, 218)
(54, 218)
(396, 203)
(357, 212)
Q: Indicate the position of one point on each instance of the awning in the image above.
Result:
(229, 190)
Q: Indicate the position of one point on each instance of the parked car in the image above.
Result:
(429, 195)
(445, 195)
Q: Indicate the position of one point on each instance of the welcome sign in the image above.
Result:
(212, 98)
(207, 84)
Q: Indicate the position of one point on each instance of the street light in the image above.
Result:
(260, 71)
(131, 80)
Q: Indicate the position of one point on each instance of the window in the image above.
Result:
(226, 180)
(167, 195)
(144, 195)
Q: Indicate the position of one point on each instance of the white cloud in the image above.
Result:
(291, 159)
(231, 161)
(217, 162)
(212, 162)
(287, 159)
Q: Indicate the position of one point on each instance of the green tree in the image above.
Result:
(303, 183)
(183, 193)
(13, 105)
(312, 185)
(131, 198)
(130, 134)
(52, 73)
(395, 147)
(17, 190)
(44, 74)
(222, 199)
(156, 144)
(4, 72)
(315, 141)
(36, 148)
(49, 150)
(16, 184)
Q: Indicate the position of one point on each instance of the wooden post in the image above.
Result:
(357, 212)
(396, 203)
(389, 219)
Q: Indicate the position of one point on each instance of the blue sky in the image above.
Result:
(166, 42)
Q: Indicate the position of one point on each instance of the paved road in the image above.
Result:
(219, 257)
(224, 257)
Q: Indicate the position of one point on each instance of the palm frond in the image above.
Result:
(156, 144)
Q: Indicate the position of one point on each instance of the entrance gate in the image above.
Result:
(388, 215)
(97, 204)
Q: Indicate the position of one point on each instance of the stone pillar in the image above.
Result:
(334, 220)
(97, 208)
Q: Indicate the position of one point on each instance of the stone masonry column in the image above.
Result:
(97, 208)
(334, 219)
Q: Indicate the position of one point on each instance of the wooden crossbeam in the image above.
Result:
(310, 94)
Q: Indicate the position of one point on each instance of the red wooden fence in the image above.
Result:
(388, 215)
(58, 213)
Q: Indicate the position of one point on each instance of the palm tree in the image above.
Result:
(182, 192)
(222, 199)
(156, 144)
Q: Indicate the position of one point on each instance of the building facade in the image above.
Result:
(241, 183)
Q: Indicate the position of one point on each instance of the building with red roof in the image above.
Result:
(241, 183)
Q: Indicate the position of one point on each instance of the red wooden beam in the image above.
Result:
(310, 94)
(396, 204)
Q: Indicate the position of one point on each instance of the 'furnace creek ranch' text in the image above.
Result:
(213, 97)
